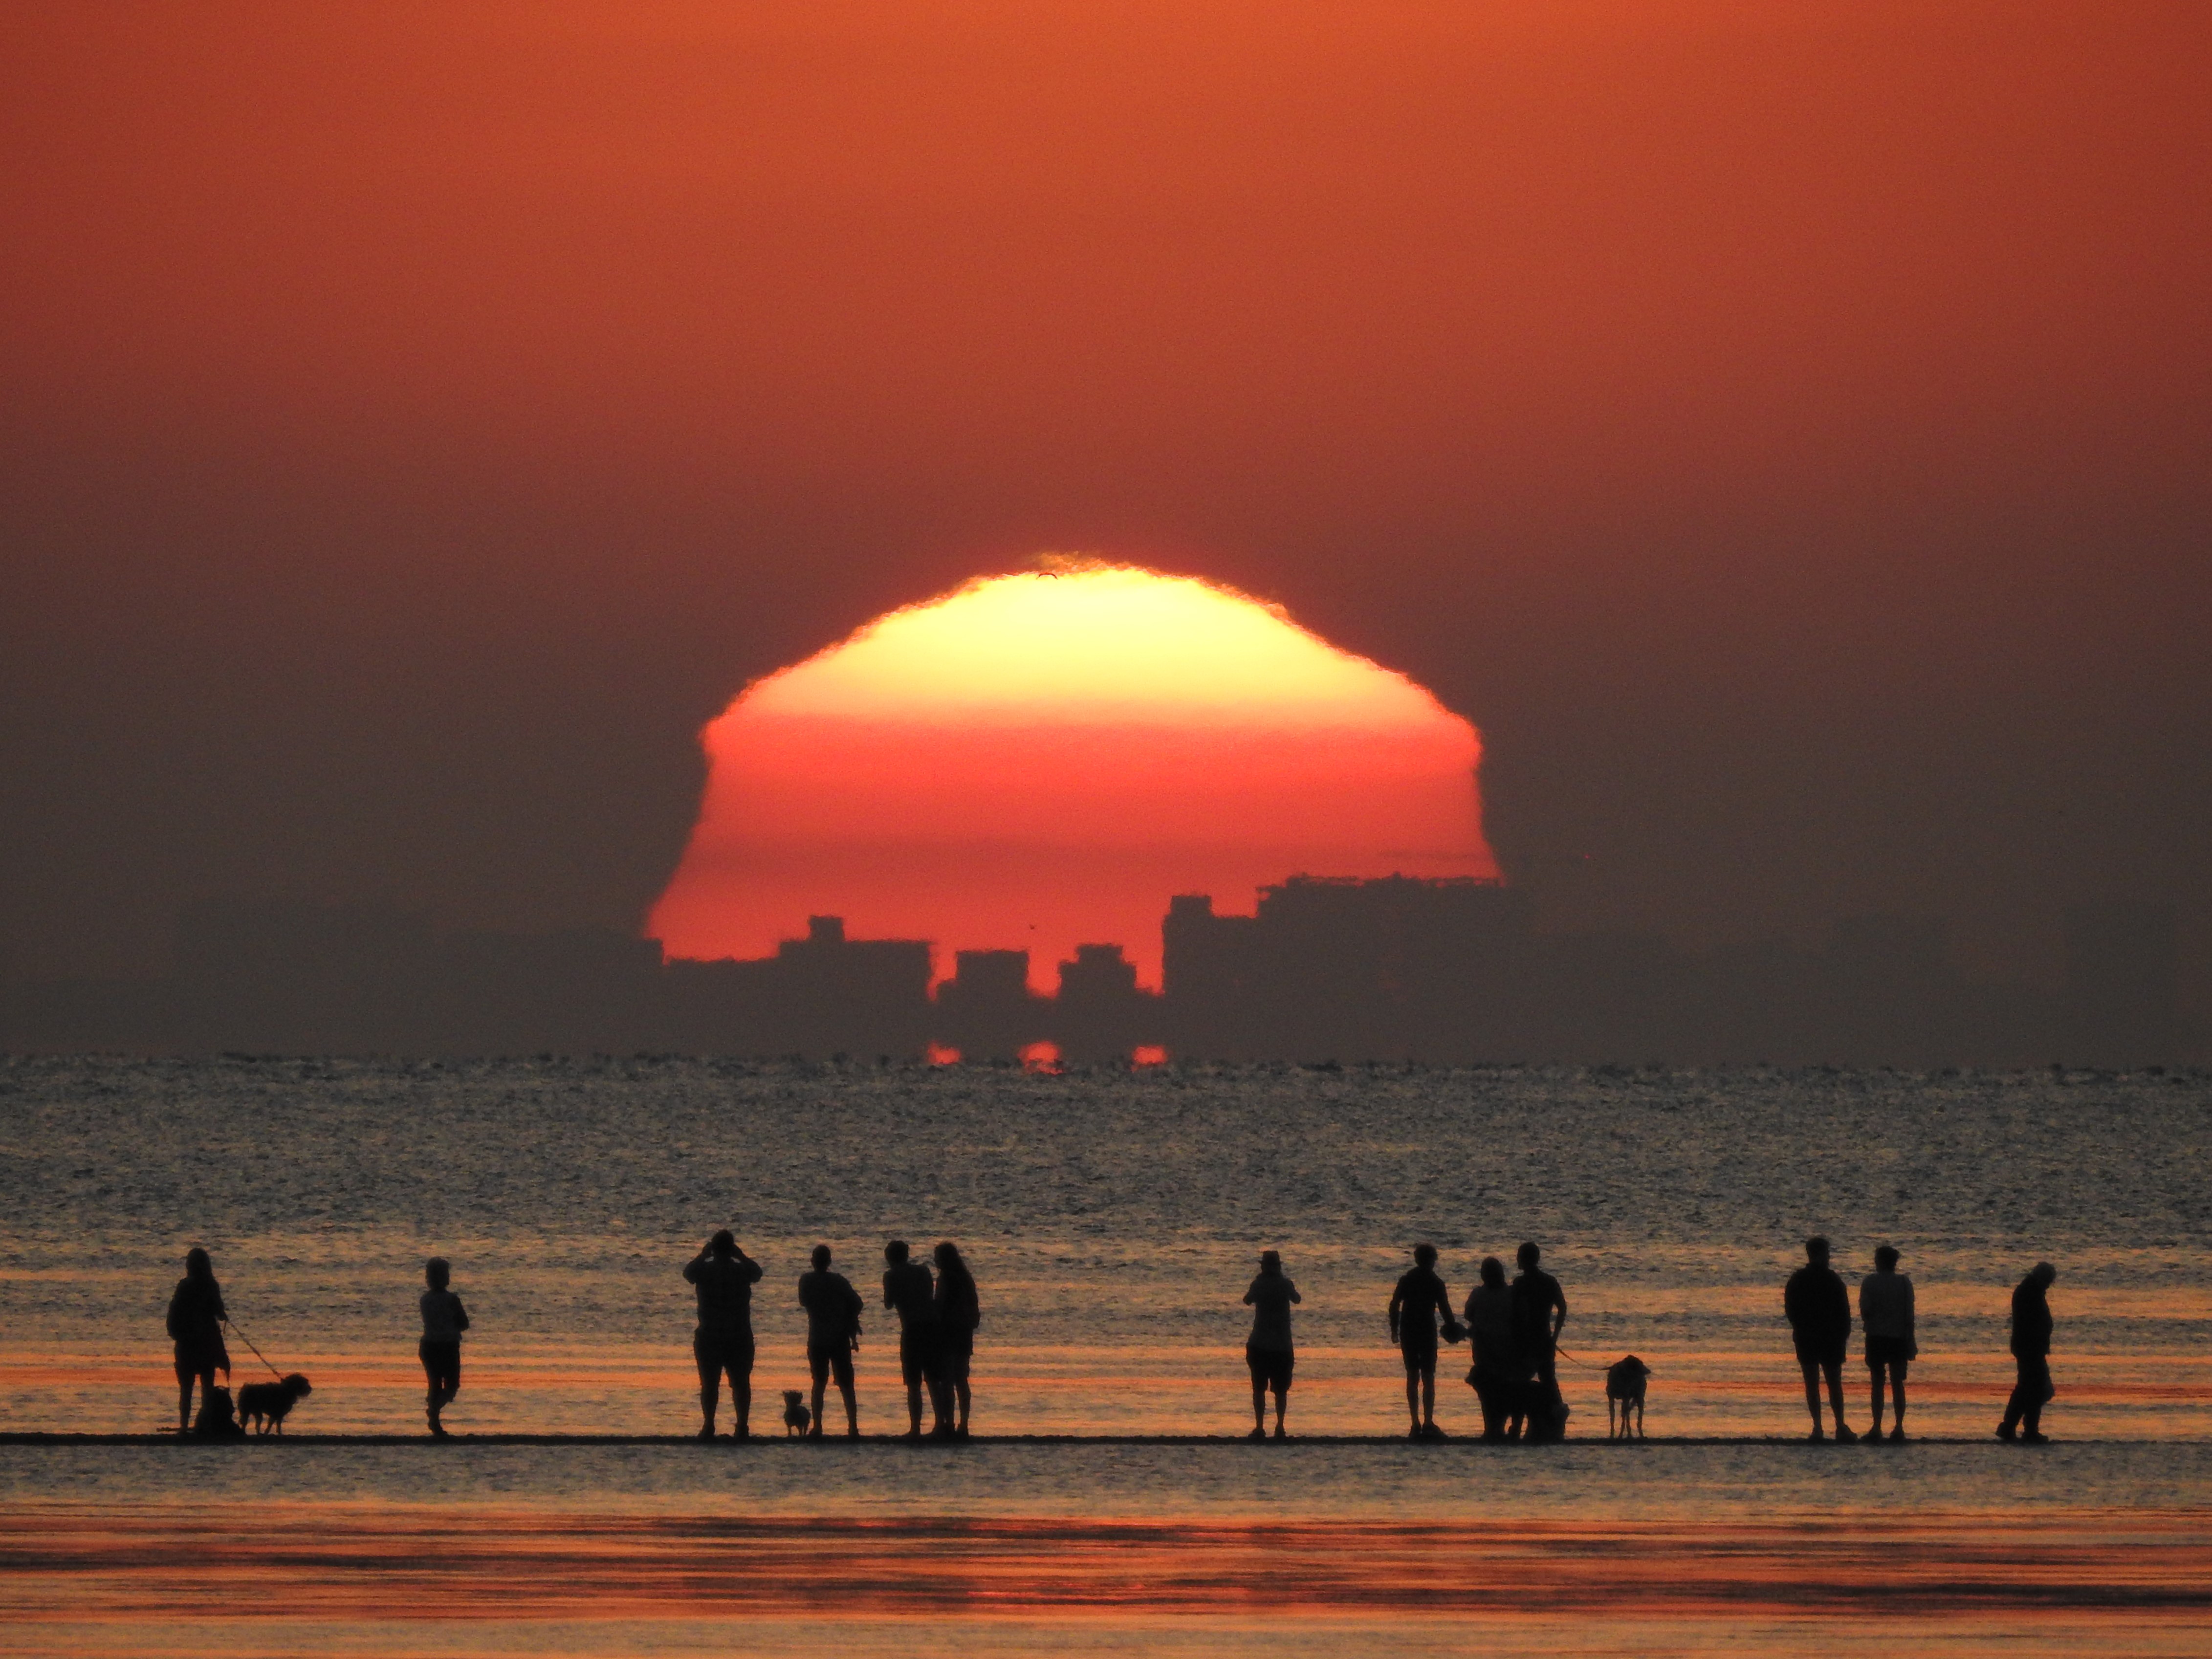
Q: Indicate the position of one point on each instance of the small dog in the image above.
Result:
(796, 1417)
(266, 1404)
(1623, 1389)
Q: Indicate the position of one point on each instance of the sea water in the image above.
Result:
(1113, 1219)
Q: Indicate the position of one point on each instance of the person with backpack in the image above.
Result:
(196, 1316)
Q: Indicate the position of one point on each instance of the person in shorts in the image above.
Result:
(1818, 1309)
(444, 1319)
(724, 1277)
(1886, 1323)
(959, 1311)
(909, 1288)
(1268, 1353)
(1416, 1305)
(833, 1336)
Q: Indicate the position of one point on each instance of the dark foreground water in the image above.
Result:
(1112, 1220)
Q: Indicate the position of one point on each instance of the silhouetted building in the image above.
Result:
(1340, 968)
(1100, 1014)
(986, 1010)
(1398, 969)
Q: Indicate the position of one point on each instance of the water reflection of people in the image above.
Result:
(1419, 1300)
(833, 1336)
(1818, 1309)
(959, 1311)
(444, 1319)
(1498, 1375)
(196, 1320)
(1885, 1325)
(2031, 1353)
(724, 1277)
(1268, 1353)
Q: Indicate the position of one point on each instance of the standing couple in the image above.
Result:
(937, 1338)
(1516, 1332)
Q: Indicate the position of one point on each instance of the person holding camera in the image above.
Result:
(724, 1277)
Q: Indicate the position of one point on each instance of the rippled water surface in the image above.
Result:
(1112, 1220)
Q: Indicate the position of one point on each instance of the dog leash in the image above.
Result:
(1590, 1364)
(248, 1340)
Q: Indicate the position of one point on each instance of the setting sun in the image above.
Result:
(1039, 759)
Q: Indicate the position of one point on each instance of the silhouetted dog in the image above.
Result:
(796, 1417)
(1624, 1389)
(266, 1404)
(217, 1420)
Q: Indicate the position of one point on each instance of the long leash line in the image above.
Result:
(248, 1340)
(1590, 1364)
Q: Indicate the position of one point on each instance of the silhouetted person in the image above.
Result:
(1885, 1322)
(724, 1277)
(1268, 1353)
(1498, 1375)
(1818, 1309)
(833, 1336)
(444, 1319)
(959, 1311)
(1540, 1309)
(908, 1288)
(1416, 1305)
(196, 1322)
(2031, 1353)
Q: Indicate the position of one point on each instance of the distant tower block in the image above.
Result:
(985, 1010)
(1100, 1014)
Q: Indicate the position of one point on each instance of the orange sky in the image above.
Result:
(1042, 760)
(1780, 428)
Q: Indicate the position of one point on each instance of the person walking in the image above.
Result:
(959, 1311)
(444, 1319)
(724, 1277)
(1416, 1305)
(196, 1320)
(2030, 1351)
(909, 1289)
(833, 1336)
(1539, 1310)
(1268, 1353)
(1886, 1326)
(1498, 1375)
(1818, 1309)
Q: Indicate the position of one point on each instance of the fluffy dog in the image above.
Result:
(1623, 1390)
(265, 1406)
(796, 1417)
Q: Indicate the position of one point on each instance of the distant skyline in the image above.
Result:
(1033, 760)
(1780, 431)
(1444, 970)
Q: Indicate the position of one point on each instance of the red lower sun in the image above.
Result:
(1037, 761)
